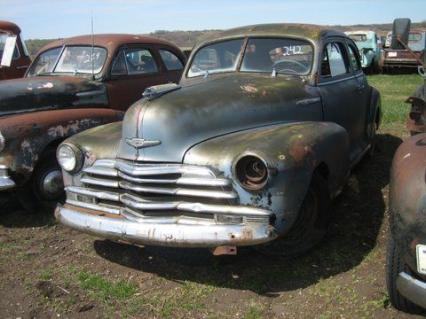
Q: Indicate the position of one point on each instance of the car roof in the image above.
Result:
(109, 41)
(9, 26)
(307, 31)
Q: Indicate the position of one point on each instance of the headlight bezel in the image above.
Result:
(78, 157)
(240, 176)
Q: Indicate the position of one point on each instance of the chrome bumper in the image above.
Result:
(164, 232)
(5, 181)
(412, 289)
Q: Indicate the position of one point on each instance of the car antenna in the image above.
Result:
(93, 46)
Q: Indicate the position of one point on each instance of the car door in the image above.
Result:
(363, 95)
(132, 71)
(339, 91)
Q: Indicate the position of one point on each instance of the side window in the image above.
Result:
(354, 58)
(16, 54)
(171, 61)
(333, 63)
(140, 61)
(119, 64)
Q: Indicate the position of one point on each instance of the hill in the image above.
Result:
(189, 38)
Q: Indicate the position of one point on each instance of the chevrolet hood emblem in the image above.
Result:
(141, 142)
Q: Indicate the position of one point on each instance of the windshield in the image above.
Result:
(216, 58)
(358, 37)
(262, 55)
(75, 59)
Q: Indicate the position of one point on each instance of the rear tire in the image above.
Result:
(395, 265)
(310, 226)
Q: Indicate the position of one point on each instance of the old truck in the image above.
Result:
(14, 56)
(403, 54)
(248, 149)
(72, 85)
(406, 256)
(369, 47)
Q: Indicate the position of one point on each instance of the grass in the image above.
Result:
(104, 289)
(394, 90)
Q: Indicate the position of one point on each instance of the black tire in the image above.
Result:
(311, 225)
(395, 265)
(31, 195)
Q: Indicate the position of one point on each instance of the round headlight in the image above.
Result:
(69, 157)
(251, 172)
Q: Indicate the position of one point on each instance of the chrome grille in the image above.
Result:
(137, 190)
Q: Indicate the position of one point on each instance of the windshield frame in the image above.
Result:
(242, 53)
(63, 47)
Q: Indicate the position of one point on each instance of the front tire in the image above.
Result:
(394, 266)
(310, 226)
(45, 188)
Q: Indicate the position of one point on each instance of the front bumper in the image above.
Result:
(5, 181)
(164, 232)
(412, 289)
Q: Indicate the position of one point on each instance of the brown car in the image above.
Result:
(13, 52)
(73, 85)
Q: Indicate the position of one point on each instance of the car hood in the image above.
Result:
(49, 92)
(176, 121)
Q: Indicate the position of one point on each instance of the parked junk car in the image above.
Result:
(249, 148)
(401, 55)
(14, 56)
(406, 257)
(369, 47)
(72, 86)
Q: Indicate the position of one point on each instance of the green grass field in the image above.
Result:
(394, 90)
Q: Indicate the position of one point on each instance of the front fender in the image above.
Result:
(28, 135)
(407, 197)
(291, 151)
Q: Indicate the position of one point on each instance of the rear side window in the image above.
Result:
(333, 63)
(134, 61)
(171, 61)
(140, 61)
(353, 58)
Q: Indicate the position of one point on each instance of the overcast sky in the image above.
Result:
(59, 18)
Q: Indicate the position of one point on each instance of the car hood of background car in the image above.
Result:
(49, 92)
(212, 107)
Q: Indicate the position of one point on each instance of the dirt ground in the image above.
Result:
(49, 271)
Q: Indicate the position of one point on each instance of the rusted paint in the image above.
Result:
(20, 64)
(27, 135)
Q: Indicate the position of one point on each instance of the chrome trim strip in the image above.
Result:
(412, 289)
(192, 181)
(101, 170)
(169, 234)
(101, 208)
(136, 203)
(161, 169)
(99, 182)
(178, 191)
(94, 193)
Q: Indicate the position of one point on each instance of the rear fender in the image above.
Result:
(291, 152)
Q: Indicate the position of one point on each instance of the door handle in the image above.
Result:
(360, 87)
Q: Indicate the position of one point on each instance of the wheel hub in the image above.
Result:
(52, 185)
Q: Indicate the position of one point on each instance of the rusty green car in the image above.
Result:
(251, 146)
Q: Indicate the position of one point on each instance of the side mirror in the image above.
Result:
(9, 49)
(400, 32)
